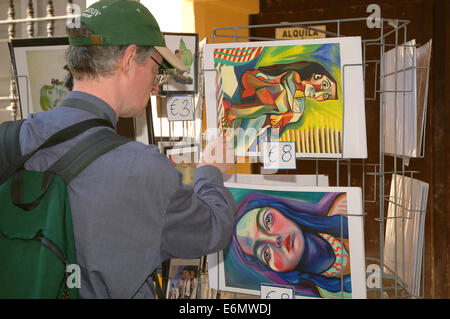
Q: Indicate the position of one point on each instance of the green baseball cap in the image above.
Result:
(125, 22)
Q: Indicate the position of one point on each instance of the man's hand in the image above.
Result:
(219, 153)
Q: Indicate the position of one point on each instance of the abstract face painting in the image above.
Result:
(282, 89)
(299, 239)
(279, 91)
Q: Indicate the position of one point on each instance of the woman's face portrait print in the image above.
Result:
(269, 236)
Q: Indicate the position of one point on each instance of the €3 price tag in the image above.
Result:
(180, 108)
(279, 155)
(270, 291)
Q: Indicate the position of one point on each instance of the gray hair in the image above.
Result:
(93, 61)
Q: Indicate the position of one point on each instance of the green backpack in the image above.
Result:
(37, 246)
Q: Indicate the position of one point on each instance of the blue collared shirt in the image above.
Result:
(129, 207)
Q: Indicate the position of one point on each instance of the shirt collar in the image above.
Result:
(92, 99)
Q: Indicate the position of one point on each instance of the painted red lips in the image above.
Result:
(288, 242)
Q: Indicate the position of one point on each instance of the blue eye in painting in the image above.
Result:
(266, 255)
(268, 220)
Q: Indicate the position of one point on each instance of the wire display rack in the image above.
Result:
(392, 34)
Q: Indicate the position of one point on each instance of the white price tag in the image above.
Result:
(269, 291)
(180, 108)
(279, 155)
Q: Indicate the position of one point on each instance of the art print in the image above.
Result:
(185, 47)
(406, 72)
(183, 279)
(43, 79)
(308, 238)
(289, 91)
(400, 100)
(423, 56)
(405, 231)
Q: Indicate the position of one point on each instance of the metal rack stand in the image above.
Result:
(388, 282)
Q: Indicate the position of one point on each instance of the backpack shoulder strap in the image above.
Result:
(59, 137)
(69, 165)
(9, 143)
(85, 152)
(89, 148)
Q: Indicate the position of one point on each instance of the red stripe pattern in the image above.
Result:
(236, 56)
(342, 257)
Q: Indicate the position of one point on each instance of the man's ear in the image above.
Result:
(128, 58)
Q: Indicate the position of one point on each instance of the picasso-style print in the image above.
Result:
(286, 93)
(299, 239)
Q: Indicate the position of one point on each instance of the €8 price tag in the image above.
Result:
(269, 291)
(180, 108)
(279, 155)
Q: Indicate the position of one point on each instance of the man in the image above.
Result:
(184, 284)
(129, 208)
(194, 282)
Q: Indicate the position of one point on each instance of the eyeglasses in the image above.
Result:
(163, 76)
